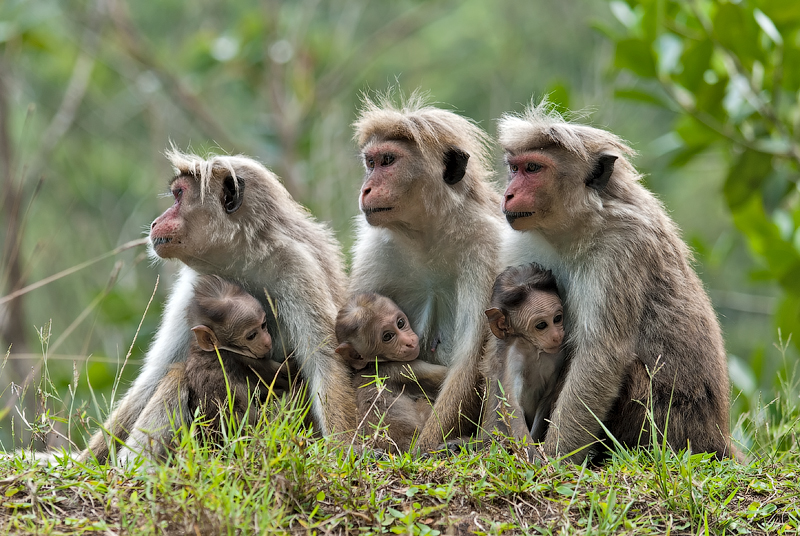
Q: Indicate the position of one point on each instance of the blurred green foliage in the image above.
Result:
(93, 91)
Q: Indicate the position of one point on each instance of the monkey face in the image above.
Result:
(396, 340)
(540, 319)
(255, 340)
(201, 226)
(230, 320)
(167, 232)
(388, 195)
(528, 198)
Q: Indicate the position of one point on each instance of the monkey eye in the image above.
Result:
(401, 323)
(513, 167)
(370, 163)
(387, 159)
(251, 336)
(557, 319)
(532, 167)
(177, 193)
(541, 325)
(388, 336)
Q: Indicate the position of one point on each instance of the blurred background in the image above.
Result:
(93, 91)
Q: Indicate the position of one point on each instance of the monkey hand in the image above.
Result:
(533, 454)
(278, 377)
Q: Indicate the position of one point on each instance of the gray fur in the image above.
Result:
(270, 245)
(633, 303)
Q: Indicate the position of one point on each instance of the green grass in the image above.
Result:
(278, 478)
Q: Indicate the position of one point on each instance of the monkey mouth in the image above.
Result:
(161, 240)
(370, 211)
(511, 216)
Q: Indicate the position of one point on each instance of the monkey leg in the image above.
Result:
(170, 346)
(154, 430)
(691, 419)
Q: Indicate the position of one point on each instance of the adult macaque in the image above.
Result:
(526, 316)
(232, 217)
(641, 332)
(230, 327)
(371, 329)
(430, 240)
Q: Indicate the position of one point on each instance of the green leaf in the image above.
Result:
(696, 60)
(709, 98)
(746, 177)
(784, 13)
(640, 95)
(735, 28)
(766, 24)
(764, 238)
(694, 133)
(636, 56)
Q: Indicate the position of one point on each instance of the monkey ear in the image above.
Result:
(602, 172)
(455, 165)
(206, 339)
(232, 194)
(497, 322)
(350, 355)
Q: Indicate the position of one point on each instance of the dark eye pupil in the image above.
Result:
(541, 325)
(251, 336)
(401, 323)
(387, 336)
(557, 319)
(387, 159)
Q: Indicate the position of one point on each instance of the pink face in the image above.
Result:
(529, 188)
(168, 232)
(379, 192)
(387, 195)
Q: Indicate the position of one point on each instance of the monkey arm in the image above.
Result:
(171, 345)
(417, 373)
(600, 351)
(512, 381)
(493, 367)
(458, 400)
(504, 369)
(592, 385)
(308, 327)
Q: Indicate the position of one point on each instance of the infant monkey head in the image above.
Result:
(371, 326)
(226, 317)
(526, 304)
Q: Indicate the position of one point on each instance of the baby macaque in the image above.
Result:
(527, 318)
(228, 320)
(372, 329)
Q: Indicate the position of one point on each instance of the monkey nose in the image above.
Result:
(365, 192)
